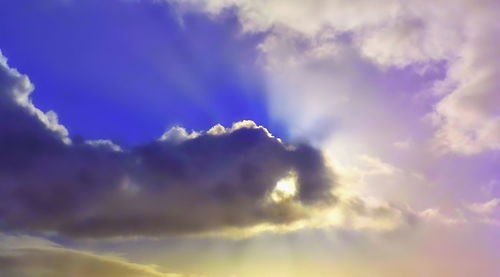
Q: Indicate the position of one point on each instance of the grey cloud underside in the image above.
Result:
(164, 187)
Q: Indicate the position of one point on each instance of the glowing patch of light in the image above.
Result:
(285, 188)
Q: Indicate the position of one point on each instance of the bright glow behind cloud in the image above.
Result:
(286, 188)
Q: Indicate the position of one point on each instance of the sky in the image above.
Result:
(243, 138)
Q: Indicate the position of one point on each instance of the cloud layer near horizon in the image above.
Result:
(179, 184)
(26, 256)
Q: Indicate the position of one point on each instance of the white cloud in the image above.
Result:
(392, 33)
(18, 88)
(485, 208)
(104, 143)
(178, 134)
(304, 16)
(435, 215)
(375, 166)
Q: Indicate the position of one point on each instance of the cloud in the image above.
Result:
(486, 212)
(474, 213)
(389, 34)
(15, 103)
(435, 215)
(306, 17)
(26, 256)
(179, 184)
(376, 166)
(485, 208)
(237, 181)
(464, 34)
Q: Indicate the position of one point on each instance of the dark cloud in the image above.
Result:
(179, 184)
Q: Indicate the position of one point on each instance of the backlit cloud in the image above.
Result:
(180, 184)
(183, 183)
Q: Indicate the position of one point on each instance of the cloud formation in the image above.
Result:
(390, 34)
(26, 256)
(179, 184)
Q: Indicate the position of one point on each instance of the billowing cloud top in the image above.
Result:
(182, 183)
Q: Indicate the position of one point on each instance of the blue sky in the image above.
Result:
(128, 71)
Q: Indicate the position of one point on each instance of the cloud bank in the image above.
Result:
(179, 184)
(25, 256)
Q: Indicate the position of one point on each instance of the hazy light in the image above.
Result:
(285, 188)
